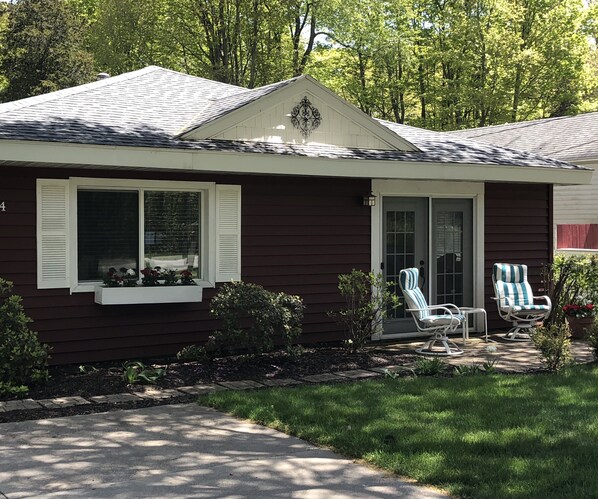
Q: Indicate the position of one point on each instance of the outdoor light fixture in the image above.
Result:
(369, 200)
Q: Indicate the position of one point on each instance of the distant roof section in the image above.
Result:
(568, 138)
(153, 106)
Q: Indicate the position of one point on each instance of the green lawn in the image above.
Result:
(475, 436)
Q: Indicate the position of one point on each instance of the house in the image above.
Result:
(573, 139)
(273, 185)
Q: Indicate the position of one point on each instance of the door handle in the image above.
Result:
(422, 273)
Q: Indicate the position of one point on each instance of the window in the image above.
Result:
(87, 225)
(172, 230)
(108, 231)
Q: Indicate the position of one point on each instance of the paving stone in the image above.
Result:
(200, 389)
(357, 374)
(392, 369)
(158, 394)
(58, 402)
(321, 378)
(19, 405)
(114, 398)
(244, 384)
(280, 382)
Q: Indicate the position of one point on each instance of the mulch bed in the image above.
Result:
(106, 378)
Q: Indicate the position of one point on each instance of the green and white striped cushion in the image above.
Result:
(511, 283)
(409, 279)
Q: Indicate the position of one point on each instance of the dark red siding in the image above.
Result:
(518, 229)
(298, 234)
(579, 236)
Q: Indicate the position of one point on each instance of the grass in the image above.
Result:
(492, 436)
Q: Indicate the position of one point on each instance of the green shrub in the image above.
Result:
(136, 372)
(252, 318)
(486, 367)
(192, 353)
(570, 279)
(468, 369)
(9, 390)
(368, 300)
(554, 344)
(23, 359)
(429, 366)
(592, 337)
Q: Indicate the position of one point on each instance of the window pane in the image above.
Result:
(108, 232)
(172, 230)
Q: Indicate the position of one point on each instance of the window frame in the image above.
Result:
(207, 221)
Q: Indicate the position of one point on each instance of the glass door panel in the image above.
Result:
(452, 250)
(405, 226)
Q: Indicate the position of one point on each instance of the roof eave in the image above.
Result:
(52, 154)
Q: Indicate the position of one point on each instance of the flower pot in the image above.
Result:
(141, 295)
(579, 326)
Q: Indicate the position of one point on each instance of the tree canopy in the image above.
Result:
(42, 48)
(439, 64)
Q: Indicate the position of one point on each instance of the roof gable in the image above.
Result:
(300, 111)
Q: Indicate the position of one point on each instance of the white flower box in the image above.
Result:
(147, 294)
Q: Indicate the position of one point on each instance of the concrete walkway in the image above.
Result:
(177, 451)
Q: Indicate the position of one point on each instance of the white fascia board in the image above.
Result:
(144, 158)
(305, 84)
(587, 162)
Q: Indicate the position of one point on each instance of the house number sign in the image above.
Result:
(2, 206)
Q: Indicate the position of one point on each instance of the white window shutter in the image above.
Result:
(228, 233)
(52, 233)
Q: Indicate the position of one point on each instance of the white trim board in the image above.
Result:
(50, 154)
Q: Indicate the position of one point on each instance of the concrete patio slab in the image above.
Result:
(510, 356)
(178, 451)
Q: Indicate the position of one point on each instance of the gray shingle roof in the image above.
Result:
(152, 107)
(567, 138)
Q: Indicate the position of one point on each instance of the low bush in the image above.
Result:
(592, 337)
(136, 372)
(468, 369)
(368, 299)
(554, 344)
(429, 366)
(486, 367)
(192, 353)
(23, 359)
(253, 318)
(9, 390)
(570, 279)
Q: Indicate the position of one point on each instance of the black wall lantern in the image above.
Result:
(369, 200)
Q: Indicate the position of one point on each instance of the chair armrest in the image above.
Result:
(447, 305)
(440, 307)
(545, 298)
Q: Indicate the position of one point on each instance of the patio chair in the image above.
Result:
(447, 317)
(515, 300)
